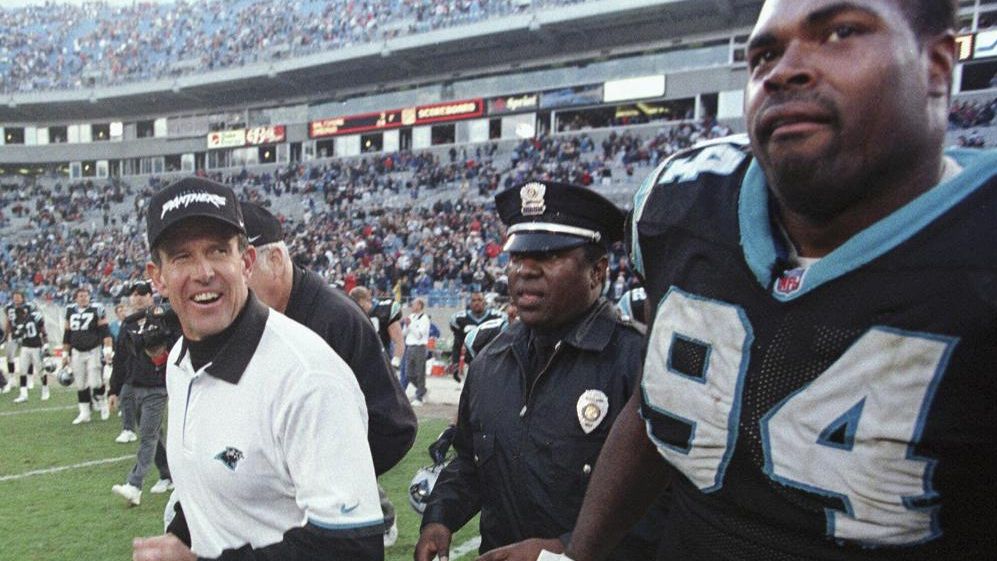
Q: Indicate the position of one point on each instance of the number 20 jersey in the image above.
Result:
(842, 411)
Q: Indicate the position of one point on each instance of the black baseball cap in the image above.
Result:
(188, 198)
(140, 287)
(544, 216)
(262, 227)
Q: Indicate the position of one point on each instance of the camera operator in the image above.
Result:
(145, 341)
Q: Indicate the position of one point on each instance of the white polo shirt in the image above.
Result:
(269, 436)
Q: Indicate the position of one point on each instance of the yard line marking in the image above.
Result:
(465, 548)
(66, 468)
(38, 410)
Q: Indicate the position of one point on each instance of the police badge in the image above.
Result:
(592, 407)
(532, 195)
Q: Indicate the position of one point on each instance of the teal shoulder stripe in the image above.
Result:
(979, 166)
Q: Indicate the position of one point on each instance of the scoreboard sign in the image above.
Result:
(355, 123)
(395, 118)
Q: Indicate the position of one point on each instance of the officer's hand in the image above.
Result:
(396, 362)
(112, 402)
(161, 548)
(434, 540)
(526, 550)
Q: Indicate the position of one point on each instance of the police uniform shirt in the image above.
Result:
(82, 325)
(271, 436)
(525, 449)
(841, 410)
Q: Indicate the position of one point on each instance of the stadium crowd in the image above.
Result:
(56, 46)
(969, 114)
(335, 209)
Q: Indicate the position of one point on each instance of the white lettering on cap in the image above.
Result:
(187, 199)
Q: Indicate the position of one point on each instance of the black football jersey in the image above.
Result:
(382, 314)
(631, 305)
(479, 336)
(29, 326)
(82, 326)
(464, 321)
(840, 411)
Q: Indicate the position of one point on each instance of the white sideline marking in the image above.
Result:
(465, 548)
(38, 410)
(66, 468)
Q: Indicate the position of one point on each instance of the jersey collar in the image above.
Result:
(763, 250)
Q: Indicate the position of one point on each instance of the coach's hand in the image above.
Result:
(434, 540)
(526, 550)
(112, 402)
(161, 548)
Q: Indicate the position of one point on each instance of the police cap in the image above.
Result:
(549, 216)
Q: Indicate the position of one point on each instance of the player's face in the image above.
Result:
(204, 275)
(477, 303)
(82, 298)
(140, 301)
(550, 289)
(18, 299)
(837, 95)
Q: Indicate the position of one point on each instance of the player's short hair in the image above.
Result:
(358, 293)
(930, 17)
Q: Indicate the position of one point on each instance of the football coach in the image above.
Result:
(267, 425)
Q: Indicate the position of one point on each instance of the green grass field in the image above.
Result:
(71, 514)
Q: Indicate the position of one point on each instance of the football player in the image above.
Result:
(386, 315)
(632, 306)
(479, 337)
(86, 329)
(29, 332)
(462, 322)
(12, 346)
(817, 382)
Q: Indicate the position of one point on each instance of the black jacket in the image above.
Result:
(345, 327)
(523, 458)
(130, 364)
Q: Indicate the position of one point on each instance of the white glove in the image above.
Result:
(396, 362)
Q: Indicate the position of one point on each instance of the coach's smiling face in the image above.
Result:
(204, 273)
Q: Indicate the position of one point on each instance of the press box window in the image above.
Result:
(101, 132)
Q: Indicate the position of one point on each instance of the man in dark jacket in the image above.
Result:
(140, 360)
(304, 297)
(538, 402)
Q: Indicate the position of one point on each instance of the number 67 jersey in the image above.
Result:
(845, 410)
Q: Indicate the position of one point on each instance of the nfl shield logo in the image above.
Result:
(790, 281)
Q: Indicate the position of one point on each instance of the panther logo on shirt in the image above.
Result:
(230, 457)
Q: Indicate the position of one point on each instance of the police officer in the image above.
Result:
(140, 359)
(304, 297)
(538, 402)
